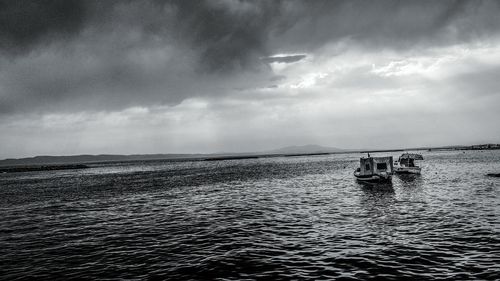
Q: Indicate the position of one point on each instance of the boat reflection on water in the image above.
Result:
(411, 187)
(410, 178)
(383, 187)
(379, 208)
(408, 181)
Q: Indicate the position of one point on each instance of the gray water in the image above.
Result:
(281, 218)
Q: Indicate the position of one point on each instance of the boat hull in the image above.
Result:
(407, 170)
(373, 178)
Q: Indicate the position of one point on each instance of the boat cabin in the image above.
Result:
(408, 159)
(406, 163)
(375, 166)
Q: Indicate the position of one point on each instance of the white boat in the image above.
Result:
(374, 169)
(406, 164)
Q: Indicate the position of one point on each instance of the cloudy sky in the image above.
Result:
(225, 75)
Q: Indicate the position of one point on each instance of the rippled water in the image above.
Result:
(279, 218)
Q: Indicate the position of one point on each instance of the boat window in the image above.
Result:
(381, 166)
(367, 167)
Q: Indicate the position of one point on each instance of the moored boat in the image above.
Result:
(375, 169)
(406, 164)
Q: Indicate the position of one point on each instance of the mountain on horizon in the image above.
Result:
(288, 150)
(88, 158)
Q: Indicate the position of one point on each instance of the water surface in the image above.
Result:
(280, 218)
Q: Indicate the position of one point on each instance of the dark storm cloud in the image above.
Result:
(389, 24)
(98, 55)
(228, 34)
(231, 34)
(24, 23)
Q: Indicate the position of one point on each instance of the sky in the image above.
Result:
(129, 77)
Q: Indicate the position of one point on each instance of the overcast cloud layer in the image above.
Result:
(207, 76)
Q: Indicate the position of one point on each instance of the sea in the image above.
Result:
(276, 218)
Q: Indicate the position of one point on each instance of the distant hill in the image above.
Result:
(76, 159)
(289, 150)
(38, 160)
(305, 149)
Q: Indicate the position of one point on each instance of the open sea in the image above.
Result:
(282, 218)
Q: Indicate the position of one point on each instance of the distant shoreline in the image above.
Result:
(35, 168)
(44, 163)
(67, 161)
